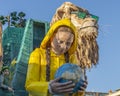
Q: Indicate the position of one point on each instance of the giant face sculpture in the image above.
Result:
(62, 40)
(87, 28)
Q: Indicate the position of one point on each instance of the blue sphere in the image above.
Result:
(71, 72)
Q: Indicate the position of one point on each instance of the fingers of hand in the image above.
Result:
(84, 86)
(54, 83)
(66, 83)
(69, 90)
(55, 80)
(62, 87)
(57, 84)
(86, 82)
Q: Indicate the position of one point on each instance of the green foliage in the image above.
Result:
(13, 14)
(15, 19)
(1, 17)
(2, 20)
(21, 14)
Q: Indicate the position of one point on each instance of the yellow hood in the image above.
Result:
(52, 29)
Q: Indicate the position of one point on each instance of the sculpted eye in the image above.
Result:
(68, 43)
(60, 42)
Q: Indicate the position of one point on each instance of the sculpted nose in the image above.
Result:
(63, 46)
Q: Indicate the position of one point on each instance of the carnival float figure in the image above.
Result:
(87, 27)
(70, 39)
(57, 48)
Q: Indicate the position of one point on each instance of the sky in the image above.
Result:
(106, 75)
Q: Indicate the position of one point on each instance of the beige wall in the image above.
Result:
(117, 93)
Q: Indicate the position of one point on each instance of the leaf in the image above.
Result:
(3, 22)
(1, 17)
(13, 13)
(21, 14)
(14, 18)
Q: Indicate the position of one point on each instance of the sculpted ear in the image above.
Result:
(60, 13)
(57, 16)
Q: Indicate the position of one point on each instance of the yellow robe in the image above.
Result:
(36, 83)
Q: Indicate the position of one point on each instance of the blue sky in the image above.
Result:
(106, 75)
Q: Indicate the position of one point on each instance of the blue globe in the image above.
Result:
(71, 72)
